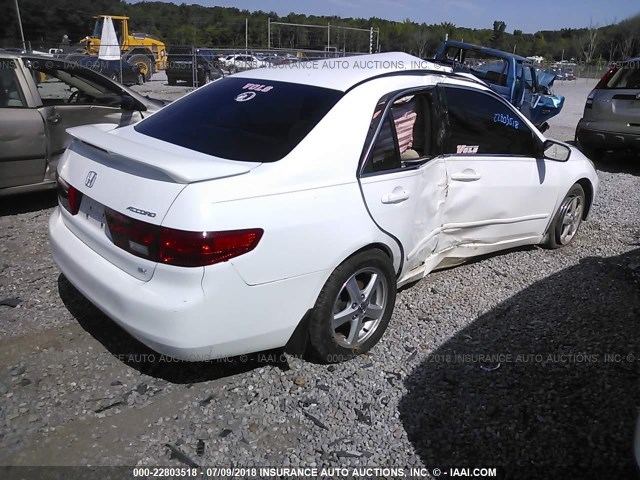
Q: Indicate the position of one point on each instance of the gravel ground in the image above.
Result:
(526, 358)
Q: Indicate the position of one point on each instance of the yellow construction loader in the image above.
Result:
(141, 49)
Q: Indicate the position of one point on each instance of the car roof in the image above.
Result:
(343, 73)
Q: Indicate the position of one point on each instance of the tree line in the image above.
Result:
(45, 23)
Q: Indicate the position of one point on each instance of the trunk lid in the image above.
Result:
(134, 175)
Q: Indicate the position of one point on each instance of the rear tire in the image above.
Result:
(354, 308)
(171, 81)
(568, 219)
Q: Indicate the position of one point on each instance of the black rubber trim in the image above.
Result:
(402, 73)
(396, 239)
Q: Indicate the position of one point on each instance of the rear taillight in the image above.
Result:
(179, 247)
(606, 77)
(68, 196)
(590, 97)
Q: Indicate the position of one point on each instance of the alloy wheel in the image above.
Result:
(359, 307)
(572, 209)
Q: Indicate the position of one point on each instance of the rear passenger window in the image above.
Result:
(479, 123)
(384, 155)
(405, 135)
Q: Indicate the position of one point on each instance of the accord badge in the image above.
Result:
(141, 212)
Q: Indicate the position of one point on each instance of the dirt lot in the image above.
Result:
(77, 390)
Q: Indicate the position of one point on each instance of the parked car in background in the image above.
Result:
(240, 63)
(561, 73)
(40, 97)
(611, 119)
(118, 70)
(180, 66)
(280, 205)
(277, 60)
(512, 76)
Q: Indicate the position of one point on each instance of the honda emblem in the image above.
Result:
(91, 179)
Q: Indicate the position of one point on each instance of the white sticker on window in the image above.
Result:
(467, 148)
(245, 96)
(256, 87)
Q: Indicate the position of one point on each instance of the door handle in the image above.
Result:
(466, 175)
(398, 195)
(54, 118)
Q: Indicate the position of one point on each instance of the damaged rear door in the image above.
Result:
(402, 181)
(498, 191)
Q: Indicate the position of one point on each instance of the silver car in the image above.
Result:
(40, 97)
(611, 118)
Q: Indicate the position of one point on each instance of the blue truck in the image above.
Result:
(513, 77)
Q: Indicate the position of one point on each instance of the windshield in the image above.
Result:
(242, 119)
(58, 81)
(627, 76)
(97, 31)
(117, 26)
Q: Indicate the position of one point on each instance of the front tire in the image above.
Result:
(568, 219)
(354, 307)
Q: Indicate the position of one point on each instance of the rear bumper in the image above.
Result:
(184, 313)
(590, 135)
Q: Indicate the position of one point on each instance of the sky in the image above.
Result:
(529, 17)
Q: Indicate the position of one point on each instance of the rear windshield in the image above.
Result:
(627, 76)
(242, 119)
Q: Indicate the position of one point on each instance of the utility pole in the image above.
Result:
(24, 45)
(371, 40)
(328, 37)
(246, 36)
(269, 33)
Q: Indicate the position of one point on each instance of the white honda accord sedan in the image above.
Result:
(299, 199)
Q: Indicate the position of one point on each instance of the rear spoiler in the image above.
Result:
(187, 166)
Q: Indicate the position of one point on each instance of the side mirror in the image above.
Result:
(556, 151)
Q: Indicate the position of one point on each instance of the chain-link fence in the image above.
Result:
(198, 64)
